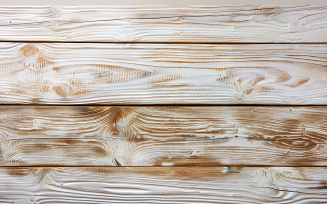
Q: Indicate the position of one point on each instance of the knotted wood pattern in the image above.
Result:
(163, 104)
(162, 136)
(93, 73)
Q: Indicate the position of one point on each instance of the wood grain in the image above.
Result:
(273, 24)
(93, 73)
(163, 185)
(162, 136)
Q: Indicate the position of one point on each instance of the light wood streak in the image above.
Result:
(162, 136)
(91, 73)
(288, 24)
(163, 185)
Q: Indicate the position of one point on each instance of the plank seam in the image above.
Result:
(169, 105)
(175, 166)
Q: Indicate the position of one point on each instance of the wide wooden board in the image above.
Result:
(162, 136)
(163, 185)
(93, 73)
(273, 24)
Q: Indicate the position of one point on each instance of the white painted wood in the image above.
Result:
(163, 185)
(93, 73)
(162, 136)
(170, 137)
(287, 24)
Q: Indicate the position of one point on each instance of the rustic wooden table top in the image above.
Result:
(163, 104)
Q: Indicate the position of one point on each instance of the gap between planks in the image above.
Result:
(168, 105)
(175, 166)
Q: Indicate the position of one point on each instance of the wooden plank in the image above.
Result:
(90, 73)
(163, 185)
(276, 24)
(162, 136)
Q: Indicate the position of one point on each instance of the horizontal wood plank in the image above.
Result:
(163, 185)
(276, 24)
(162, 136)
(93, 73)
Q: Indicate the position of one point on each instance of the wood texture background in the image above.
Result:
(276, 24)
(93, 73)
(152, 94)
(163, 185)
(162, 136)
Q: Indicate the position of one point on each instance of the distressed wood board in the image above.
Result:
(95, 73)
(81, 59)
(162, 136)
(163, 185)
(213, 24)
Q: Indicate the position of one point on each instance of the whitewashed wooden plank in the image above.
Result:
(276, 24)
(163, 185)
(162, 136)
(93, 73)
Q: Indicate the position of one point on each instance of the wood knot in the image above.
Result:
(300, 144)
(121, 119)
(295, 26)
(55, 9)
(62, 90)
(248, 90)
(35, 100)
(29, 50)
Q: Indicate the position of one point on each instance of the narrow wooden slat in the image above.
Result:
(162, 136)
(286, 24)
(162, 74)
(163, 185)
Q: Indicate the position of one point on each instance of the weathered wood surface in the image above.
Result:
(163, 185)
(192, 141)
(162, 136)
(94, 73)
(286, 24)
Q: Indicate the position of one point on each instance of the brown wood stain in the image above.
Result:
(172, 110)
